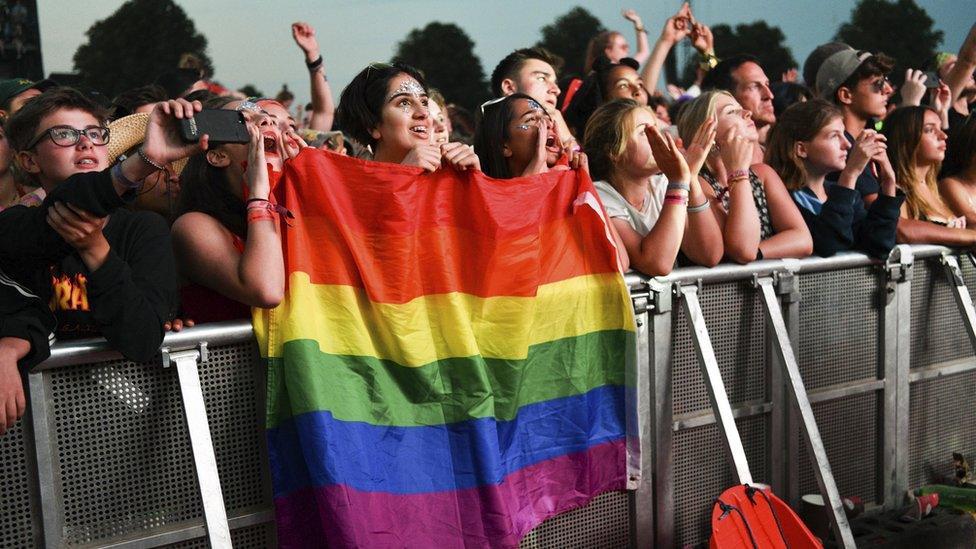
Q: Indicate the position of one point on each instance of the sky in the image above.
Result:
(250, 40)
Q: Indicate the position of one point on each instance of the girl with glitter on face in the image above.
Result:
(517, 137)
(386, 107)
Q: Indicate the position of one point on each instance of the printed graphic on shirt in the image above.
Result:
(69, 293)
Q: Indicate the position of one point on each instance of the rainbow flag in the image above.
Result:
(451, 363)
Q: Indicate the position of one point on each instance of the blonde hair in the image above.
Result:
(606, 136)
(903, 128)
(697, 112)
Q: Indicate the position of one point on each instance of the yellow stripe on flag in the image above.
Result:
(345, 322)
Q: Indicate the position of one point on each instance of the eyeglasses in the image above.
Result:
(66, 136)
(878, 85)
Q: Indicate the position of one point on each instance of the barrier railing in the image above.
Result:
(106, 456)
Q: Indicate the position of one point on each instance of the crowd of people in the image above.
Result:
(114, 226)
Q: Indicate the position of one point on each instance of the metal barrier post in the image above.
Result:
(46, 454)
(961, 294)
(721, 407)
(896, 361)
(784, 448)
(797, 392)
(642, 500)
(661, 412)
(204, 458)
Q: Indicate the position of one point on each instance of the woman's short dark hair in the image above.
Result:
(362, 101)
(492, 134)
(593, 92)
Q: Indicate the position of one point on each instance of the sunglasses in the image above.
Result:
(66, 136)
(878, 85)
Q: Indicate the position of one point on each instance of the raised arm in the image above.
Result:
(643, 51)
(323, 106)
(676, 28)
(206, 254)
(964, 67)
(702, 242)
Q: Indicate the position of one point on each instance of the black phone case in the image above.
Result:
(223, 126)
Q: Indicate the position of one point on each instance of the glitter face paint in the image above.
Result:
(408, 87)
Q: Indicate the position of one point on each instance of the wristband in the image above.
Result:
(678, 200)
(708, 62)
(262, 204)
(640, 29)
(255, 214)
(699, 208)
(147, 160)
(314, 64)
(125, 181)
(679, 186)
(738, 174)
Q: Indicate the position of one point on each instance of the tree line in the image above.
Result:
(109, 61)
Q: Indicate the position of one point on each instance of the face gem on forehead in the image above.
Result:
(410, 87)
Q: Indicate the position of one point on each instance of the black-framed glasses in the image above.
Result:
(66, 136)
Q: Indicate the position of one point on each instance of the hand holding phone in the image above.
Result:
(222, 125)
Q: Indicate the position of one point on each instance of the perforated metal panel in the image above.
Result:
(261, 536)
(937, 328)
(702, 473)
(941, 423)
(602, 523)
(734, 316)
(849, 430)
(840, 327)
(124, 455)
(17, 528)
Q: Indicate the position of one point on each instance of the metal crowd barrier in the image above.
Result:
(106, 455)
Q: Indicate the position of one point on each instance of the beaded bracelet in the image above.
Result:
(147, 160)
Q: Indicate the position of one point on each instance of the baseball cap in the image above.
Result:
(816, 58)
(837, 68)
(12, 87)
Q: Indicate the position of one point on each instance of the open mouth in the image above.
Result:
(419, 131)
(270, 143)
(86, 163)
(552, 144)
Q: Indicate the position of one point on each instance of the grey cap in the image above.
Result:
(816, 58)
(836, 69)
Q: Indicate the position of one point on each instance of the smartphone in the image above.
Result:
(932, 80)
(222, 125)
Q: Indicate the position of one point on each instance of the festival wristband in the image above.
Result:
(678, 200)
(255, 214)
(263, 204)
(314, 64)
(679, 186)
(125, 181)
(738, 174)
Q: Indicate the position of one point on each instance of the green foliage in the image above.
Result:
(137, 43)
(445, 54)
(757, 38)
(568, 37)
(900, 29)
(250, 91)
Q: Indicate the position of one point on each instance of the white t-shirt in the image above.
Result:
(641, 220)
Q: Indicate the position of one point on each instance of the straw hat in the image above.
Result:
(127, 133)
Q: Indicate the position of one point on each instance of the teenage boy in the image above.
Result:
(100, 269)
(532, 71)
(857, 82)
